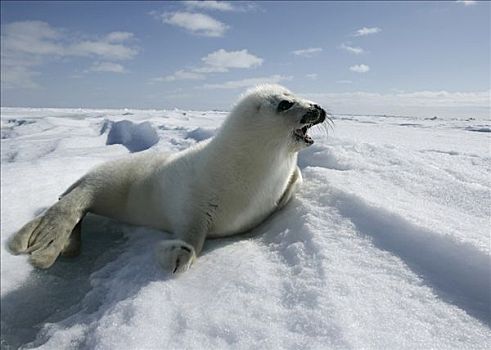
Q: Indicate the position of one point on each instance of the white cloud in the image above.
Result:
(367, 31)
(196, 23)
(110, 47)
(344, 81)
(419, 103)
(237, 84)
(467, 2)
(102, 48)
(232, 59)
(107, 67)
(210, 69)
(307, 52)
(226, 6)
(219, 61)
(18, 77)
(312, 76)
(352, 49)
(26, 45)
(119, 36)
(359, 68)
(31, 37)
(181, 75)
(209, 5)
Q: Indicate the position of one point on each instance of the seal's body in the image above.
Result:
(216, 188)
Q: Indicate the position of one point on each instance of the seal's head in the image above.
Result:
(281, 114)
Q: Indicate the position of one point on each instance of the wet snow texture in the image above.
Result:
(385, 247)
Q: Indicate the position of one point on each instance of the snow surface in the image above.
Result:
(387, 245)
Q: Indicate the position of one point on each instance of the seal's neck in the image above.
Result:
(263, 151)
(247, 127)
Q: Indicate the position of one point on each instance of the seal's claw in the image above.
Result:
(44, 258)
(19, 242)
(175, 256)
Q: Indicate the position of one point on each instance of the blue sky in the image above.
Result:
(424, 58)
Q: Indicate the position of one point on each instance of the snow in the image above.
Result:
(135, 137)
(387, 245)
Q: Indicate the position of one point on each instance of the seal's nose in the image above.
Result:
(314, 115)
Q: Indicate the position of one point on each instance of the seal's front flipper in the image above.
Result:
(72, 247)
(51, 236)
(45, 237)
(293, 185)
(19, 242)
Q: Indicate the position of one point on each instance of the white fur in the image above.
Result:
(219, 187)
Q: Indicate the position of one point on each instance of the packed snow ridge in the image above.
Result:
(135, 137)
(385, 247)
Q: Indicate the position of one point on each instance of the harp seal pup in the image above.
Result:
(219, 187)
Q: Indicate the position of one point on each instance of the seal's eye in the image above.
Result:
(284, 105)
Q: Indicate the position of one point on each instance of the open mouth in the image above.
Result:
(301, 134)
(313, 117)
